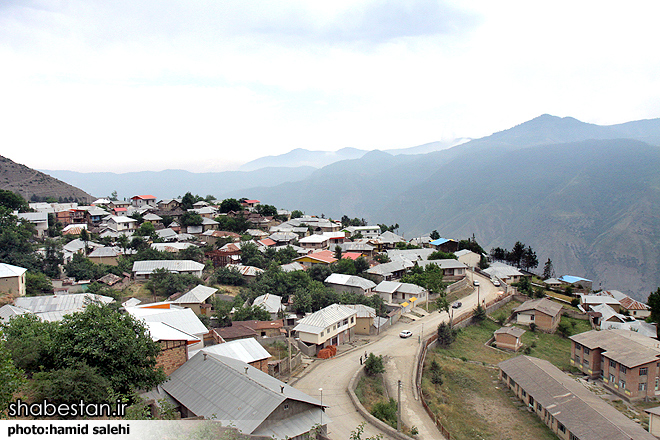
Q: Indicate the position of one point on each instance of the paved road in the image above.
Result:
(334, 374)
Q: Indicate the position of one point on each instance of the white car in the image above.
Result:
(475, 282)
(405, 334)
(496, 283)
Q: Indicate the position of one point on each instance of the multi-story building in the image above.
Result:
(628, 363)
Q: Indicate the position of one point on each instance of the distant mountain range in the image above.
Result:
(584, 195)
(29, 183)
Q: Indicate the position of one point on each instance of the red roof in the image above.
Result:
(121, 209)
(252, 201)
(325, 256)
(147, 197)
(351, 255)
(267, 242)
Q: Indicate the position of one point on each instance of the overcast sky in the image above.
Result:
(127, 85)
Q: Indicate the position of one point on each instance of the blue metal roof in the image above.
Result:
(571, 279)
(440, 241)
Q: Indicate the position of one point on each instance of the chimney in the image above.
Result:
(282, 389)
(204, 355)
(246, 369)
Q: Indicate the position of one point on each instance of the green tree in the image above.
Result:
(228, 205)
(13, 201)
(71, 384)
(146, 229)
(117, 345)
(296, 213)
(524, 287)
(249, 313)
(373, 365)
(187, 201)
(382, 258)
(37, 283)
(548, 269)
(479, 313)
(446, 335)
(653, 302)
(16, 241)
(193, 253)
(436, 373)
(11, 377)
(439, 255)
(29, 340)
(53, 258)
(81, 268)
(435, 235)
(338, 252)
(529, 260)
(191, 218)
(345, 266)
(516, 255)
(266, 210)
(361, 265)
(302, 301)
(319, 272)
(564, 329)
(228, 276)
(54, 227)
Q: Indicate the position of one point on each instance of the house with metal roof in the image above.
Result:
(636, 309)
(197, 299)
(314, 241)
(270, 303)
(235, 393)
(509, 338)
(12, 279)
(566, 406)
(394, 292)
(544, 313)
(332, 325)
(393, 270)
(319, 257)
(8, 311)
(467, 257)
(626, 361)
(38, 219)
(105, 255)
(367, 320)
(179, 318)
(577, 283)
(587, 302)
(341, 283)
(173, 345)
(247, 350)
(55, 307)
(409, 254)
(144, 200)
(445, 244)
(452, 270)
(142, 270)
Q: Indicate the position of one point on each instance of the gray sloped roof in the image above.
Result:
(9, 270)
(218, 387)
(445, 263)
(582, 412)
(389, 268)
(69, 303)
(148, 266)
(197, 295)
(350, 281)
(513, 331)
(623, 346)
(320, 320)
(246, 350)
(387, 286)
(8, 311)
(270, 303)
(181, 319)
(544, 305)
(104, 252)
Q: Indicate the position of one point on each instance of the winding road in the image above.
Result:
(333, 375)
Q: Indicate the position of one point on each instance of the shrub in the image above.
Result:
(386, 411)
(374, 365)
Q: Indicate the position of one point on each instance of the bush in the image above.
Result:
(374, 365)
(386, 411)
(564, 329)
(72, 384)
(446, 335)
(575, 302)
(532, 327)
(436, 373)
(479, 313)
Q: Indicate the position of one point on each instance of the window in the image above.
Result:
(577, 359)
(561, 427)
(612, 378)
(322, 332)
(524, 393)
(643, 371)
(531, 318)
(612, 364)
(345, 321)
(574, 437)
(586, 362)
(577, 347)
(622, 384)
(352, 319)
(538, 406)
(622, 369)
(657, 383)
(586, 351)
(286, 406)
(642, 387)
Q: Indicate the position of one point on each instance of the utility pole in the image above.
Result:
(398, 409)
(289, 341)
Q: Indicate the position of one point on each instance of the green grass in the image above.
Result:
(370, 390)
(472, 404)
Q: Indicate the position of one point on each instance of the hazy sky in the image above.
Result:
(127, 85)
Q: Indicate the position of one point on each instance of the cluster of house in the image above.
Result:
(203, 367)
(624, 358)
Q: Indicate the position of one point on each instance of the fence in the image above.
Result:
(461, 321)
(458, 285)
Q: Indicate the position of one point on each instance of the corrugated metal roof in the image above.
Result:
(544, 305)
(7, 311)
(197, 295)
(362, 310)
(8, 270)
(161, 331)
(513, 331)
(181, 319)
(104, 252)
(148, 266)
(322, 319)
(350, 280)
(246, 350)
(387, 286)
(293, 426)
(247, 271)
(582, 412)
(571, 279)
(68, 303)
(624, 346)
(218, 387)
(270, 303)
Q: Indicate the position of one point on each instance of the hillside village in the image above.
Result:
(242, 299)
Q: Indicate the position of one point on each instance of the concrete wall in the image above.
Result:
(14, 285)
